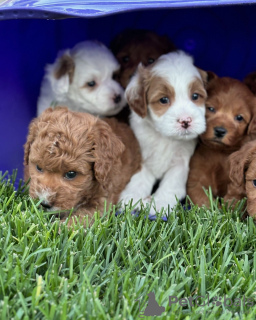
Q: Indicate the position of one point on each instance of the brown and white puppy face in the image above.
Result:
(84, 77)
(132, 47)
(170, 94)
(69, 156)
(229, 110)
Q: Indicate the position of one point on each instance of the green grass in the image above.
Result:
(48, 271)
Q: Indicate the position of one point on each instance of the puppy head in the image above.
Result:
(70, 156)
(170, 94)
(84, 75)
(243, 173)
(229, 113)
(131, 47)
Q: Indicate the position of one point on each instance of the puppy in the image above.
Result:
(133, 46)
(82, 79)
(75, 160)
(167, 99)
(229, 118)
(242, 176)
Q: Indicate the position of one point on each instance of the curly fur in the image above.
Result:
(104, 153)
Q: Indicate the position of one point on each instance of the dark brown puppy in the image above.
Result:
(230, 110)
(76, 160)
(133, 46)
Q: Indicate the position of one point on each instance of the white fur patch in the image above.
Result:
(93, 62)
(166, 146)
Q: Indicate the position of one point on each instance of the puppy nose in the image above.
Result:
(220, 132)
(46, 205)
(117, 98)
(185, 122)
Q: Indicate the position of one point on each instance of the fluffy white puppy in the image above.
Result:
(167, 100)
(82, 79)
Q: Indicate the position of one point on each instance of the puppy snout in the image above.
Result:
(185, 122)
(46, 204)
(117, 98)
(219, 132)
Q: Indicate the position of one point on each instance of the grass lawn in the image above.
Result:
(48, 271)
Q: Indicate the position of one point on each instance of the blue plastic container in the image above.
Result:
(221, 35)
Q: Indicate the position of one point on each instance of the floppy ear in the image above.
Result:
(252, 126)
(211, 76)
(135, 93)
(204, 76)
(32, 133)
(62, 74)
(239, 162)
(167, 44)
(250, 81)
(108, 149)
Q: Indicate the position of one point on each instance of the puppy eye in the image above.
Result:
(150, 60)
(254, 183)
(239, 118)
(164, 100)
(39, 169)
(211, 109)
(70, 175)
(195, 96)
(125, 59)
(91, 83)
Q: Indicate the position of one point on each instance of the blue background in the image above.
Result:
(221, 39)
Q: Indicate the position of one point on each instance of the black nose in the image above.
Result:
(117, 98)
(46, 205)
(220, 132)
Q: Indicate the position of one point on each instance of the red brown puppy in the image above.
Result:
(230, 109)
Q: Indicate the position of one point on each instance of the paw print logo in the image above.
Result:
(216, 301)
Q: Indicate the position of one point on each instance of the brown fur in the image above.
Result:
(134, 46)
(66, 65)
(209, 164)
(243, 177)
(105, 154)
(250, 81)
(151, 88)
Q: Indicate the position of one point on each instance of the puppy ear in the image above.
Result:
(250, 81)
(135, 93)
(204, 76)
(211, 76)
(63, 74)
(108, 149)
(167, 44)
(239, 162)
(32, 133)
(252, 126)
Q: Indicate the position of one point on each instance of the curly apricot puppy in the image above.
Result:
(243, 177)
(230, 120)
(133, 46)
(76, 160)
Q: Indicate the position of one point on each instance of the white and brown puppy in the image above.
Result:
(167, 100)
(82, 79)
